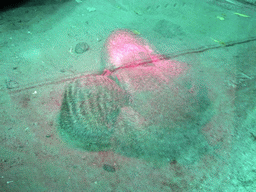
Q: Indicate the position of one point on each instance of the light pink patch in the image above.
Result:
(125, 48)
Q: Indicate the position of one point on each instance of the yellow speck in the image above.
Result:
(220, 18)
(136, 32)
(241, 15)
(220, 42)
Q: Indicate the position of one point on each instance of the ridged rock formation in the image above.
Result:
(89, 111)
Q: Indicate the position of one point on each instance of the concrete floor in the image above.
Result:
(217, 39)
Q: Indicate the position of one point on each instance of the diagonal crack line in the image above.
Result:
(166, 56)
(210, 47)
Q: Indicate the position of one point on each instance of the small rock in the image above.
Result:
(91, 9)
(11, 84)
(109, 168)
(81, 47)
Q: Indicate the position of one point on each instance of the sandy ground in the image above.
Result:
(216, 38)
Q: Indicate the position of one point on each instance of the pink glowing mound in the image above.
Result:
(124, 48)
